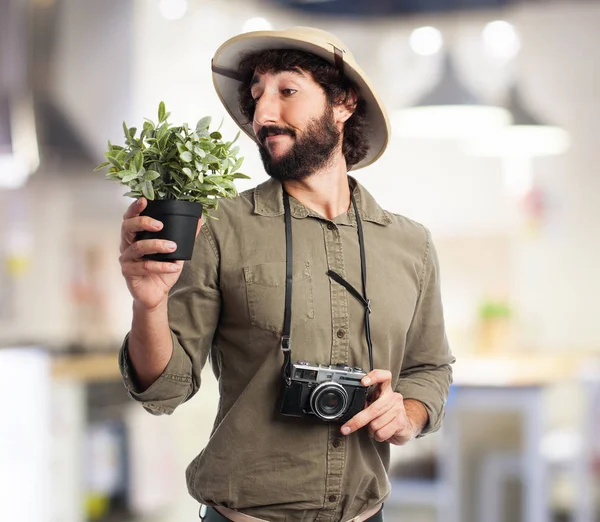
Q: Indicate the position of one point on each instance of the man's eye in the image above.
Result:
(289, 92)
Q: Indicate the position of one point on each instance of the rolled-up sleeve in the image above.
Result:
(426, 373)
(194, 307)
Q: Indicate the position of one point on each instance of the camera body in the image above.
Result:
(330, 393)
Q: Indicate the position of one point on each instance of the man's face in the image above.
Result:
(294, 124)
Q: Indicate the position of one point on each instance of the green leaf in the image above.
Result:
(162, 142)
(188, 172)
(115, 162)
(216, 135)
(151, 175)
(126, 131)
(132, 131)
(206, 145)
(239, 175)
(129, 156)
(138, 161)
(128, 176)
(161, 112)
(203, 124)
(187, 157)
(102, 165)
(163, 130)
(237, 165)
(178, 179)
(148, 190)
(133, 194)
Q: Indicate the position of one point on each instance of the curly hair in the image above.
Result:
(338, 90)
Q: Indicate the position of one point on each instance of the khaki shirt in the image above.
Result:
(229, 304)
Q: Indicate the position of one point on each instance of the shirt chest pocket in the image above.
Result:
(265, 291)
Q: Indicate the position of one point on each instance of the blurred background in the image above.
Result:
(494, 108)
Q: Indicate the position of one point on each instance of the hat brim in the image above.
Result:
(226, 64)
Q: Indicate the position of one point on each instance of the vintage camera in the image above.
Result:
(330, 393)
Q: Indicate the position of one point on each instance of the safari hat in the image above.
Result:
(226, 76)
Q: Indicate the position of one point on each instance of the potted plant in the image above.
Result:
(182, 172)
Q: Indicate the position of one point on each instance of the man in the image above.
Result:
(313, 243)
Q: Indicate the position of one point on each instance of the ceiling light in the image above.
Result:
(256, 24)
(426, 41)
(173, 9)
(448, 111)
(500, 40)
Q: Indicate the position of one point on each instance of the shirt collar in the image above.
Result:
(268, 201)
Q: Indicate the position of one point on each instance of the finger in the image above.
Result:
(140, 223)
(401, 432)
(199, 226)
(385, 426)
(147, 246)
(135, 208)
(375, 410)
(382, 377)
(148, 266)
(392, 414)
(131, 226)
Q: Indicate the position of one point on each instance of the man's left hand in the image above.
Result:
(386, 416)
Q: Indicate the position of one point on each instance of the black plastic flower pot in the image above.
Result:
(180, 220)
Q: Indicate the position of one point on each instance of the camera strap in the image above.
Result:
(287, 319)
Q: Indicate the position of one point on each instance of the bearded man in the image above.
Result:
(320, 311)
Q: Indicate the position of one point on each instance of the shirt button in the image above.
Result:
(332, 498)
(341, 333)
(336, 443)
(330, 226)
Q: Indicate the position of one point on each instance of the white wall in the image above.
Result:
(552, 285)
(552, 282)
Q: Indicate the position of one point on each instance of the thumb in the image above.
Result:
(200, 221)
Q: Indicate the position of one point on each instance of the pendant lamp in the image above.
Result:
(449, 111)
(527, 136)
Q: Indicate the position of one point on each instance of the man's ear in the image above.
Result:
(343, 110)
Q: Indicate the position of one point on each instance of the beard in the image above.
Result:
(309, 153)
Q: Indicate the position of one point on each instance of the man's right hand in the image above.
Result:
(149, 281)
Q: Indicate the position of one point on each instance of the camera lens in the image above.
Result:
(329, 401)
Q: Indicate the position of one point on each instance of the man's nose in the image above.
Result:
(266, 110)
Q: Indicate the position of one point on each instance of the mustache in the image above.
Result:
(273, 130)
